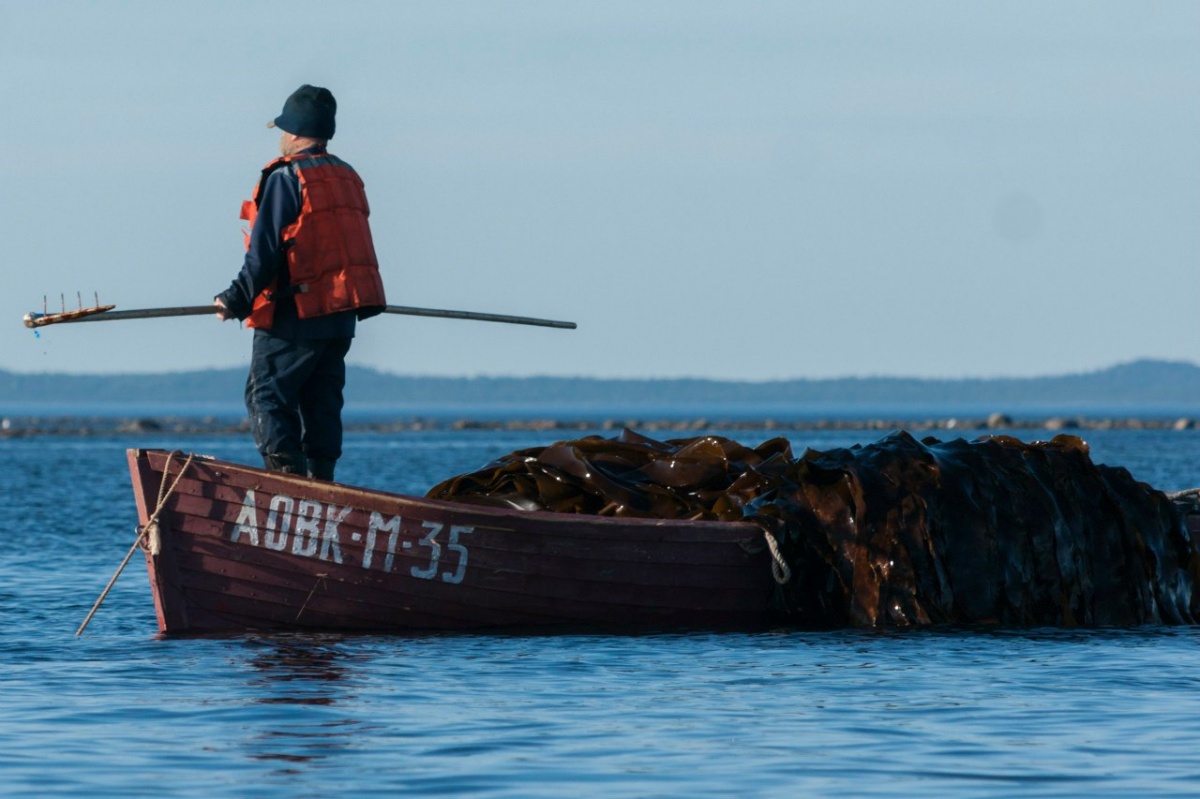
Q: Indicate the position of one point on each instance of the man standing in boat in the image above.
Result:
(309, 274)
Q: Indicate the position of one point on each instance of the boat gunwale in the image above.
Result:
(140, 455)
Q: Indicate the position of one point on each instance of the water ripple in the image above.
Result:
(951, 713)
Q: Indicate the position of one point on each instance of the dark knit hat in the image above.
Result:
(308, 112)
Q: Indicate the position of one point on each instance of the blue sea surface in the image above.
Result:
(120, 712)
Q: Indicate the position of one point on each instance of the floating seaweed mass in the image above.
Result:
(900, 532)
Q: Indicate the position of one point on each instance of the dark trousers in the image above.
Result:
(294, 396)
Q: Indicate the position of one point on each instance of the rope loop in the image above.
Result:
(151, 524)
(150, 528)
(779, 568)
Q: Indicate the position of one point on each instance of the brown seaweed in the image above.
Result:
(899, 532)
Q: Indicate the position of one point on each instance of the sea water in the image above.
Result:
(120, 712)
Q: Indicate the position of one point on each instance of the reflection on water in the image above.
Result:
(304, 672)
(309, 666)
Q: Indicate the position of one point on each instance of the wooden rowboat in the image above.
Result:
(231, 548)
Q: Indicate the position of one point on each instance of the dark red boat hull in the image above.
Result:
(237, 548)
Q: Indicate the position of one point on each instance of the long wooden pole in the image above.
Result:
(105, 314)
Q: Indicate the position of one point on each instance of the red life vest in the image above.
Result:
(330, 255)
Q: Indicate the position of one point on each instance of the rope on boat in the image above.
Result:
(320, 579)
(779, 568)
(163, 495)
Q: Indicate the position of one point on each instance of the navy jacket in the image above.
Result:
(266, 259)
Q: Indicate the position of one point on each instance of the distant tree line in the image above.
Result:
(1143, 382)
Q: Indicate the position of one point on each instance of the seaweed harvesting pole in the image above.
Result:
(105, 313)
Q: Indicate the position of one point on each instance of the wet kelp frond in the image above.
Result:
(899, 532)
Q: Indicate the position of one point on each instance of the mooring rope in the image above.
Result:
(779, 568)
(163, 495)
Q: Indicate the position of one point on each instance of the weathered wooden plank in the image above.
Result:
(641, 545)
(482, 554)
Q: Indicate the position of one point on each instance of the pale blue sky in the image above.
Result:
(733, 190)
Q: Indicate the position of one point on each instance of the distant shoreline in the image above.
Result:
(84, 426)
(1138, 386)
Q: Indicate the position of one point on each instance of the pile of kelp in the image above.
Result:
(900, 532)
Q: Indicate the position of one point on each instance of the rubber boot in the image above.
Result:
(321, 468)
(288, 463)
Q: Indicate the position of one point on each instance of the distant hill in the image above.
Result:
(1139, 384)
